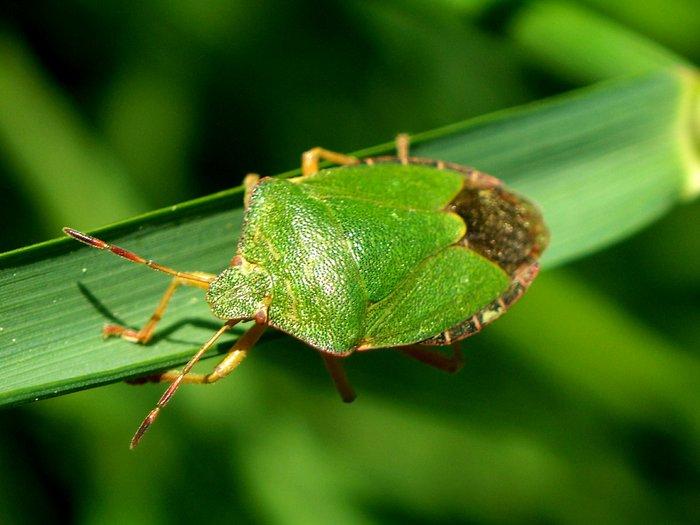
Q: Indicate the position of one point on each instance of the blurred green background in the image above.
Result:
(580, 406)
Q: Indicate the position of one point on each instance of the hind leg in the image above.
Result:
(432, 357)
(310, 159)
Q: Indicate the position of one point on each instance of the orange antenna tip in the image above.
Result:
(117, 250)
(143, 427)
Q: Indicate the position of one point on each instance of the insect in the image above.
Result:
(386, 252)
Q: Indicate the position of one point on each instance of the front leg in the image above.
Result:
(146, 332)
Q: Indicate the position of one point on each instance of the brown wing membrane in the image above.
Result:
(502, 226)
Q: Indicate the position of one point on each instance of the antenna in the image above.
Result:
(131, 256)
(170, 391)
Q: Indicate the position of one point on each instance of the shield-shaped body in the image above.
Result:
(381, 252)
(384, 253)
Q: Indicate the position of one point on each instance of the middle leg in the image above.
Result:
(340, 379)
(403, 143)
(233, 358)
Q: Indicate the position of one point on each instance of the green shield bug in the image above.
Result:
(386, 252)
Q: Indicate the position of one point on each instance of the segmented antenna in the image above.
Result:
(131, 256)
(170, 391)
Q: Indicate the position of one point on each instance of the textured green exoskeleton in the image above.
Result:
(358, 257)
(377, 253)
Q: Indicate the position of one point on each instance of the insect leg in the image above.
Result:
(228, 364)
(144, 334)
(340, 379)
(249, 182)
(430, 356)
(309, 159)
(403, 142)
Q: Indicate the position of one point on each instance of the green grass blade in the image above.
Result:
(601, 162)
